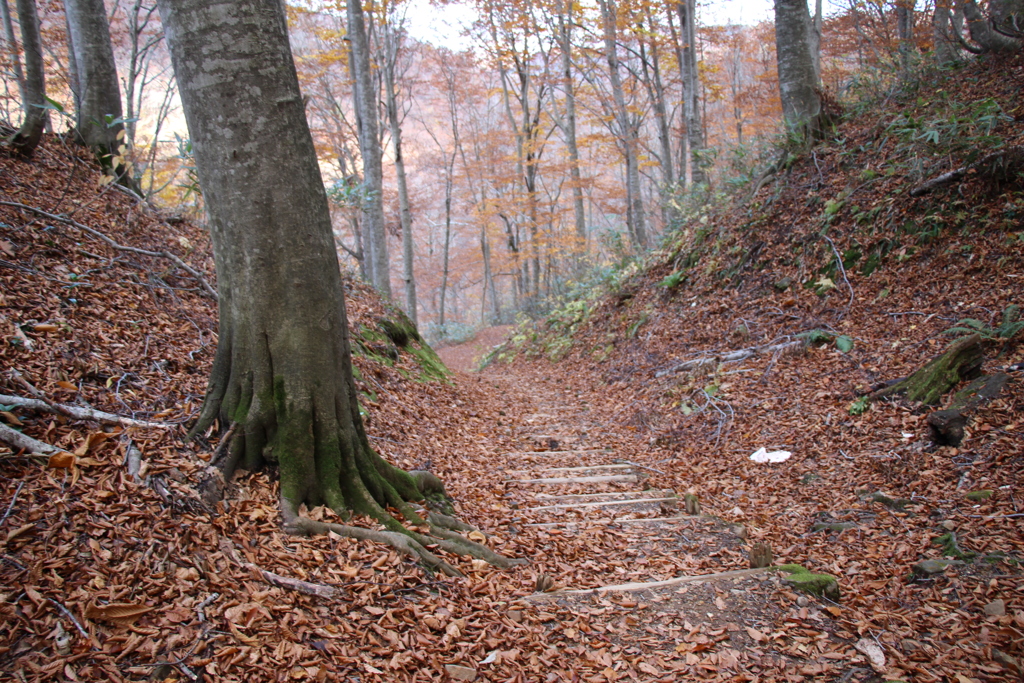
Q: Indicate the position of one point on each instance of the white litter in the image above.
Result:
(764, 455)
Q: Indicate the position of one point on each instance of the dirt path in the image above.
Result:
(466, 357)
(653, 588)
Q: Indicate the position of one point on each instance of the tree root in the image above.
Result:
(80, 413)
(406, 541)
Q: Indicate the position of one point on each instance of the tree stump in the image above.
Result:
(962, 360)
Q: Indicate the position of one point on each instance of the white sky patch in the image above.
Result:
(447, 25)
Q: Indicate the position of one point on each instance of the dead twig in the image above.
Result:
(210, 291)
(18, 377)
(69, 615)
(842, 271)
(14, 498)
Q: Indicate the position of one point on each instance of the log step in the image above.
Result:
(604, 503)
(642, 520)
(620, 495)
(589, 468)
(632, 478)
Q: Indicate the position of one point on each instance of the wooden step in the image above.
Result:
(604, 503)
(621, 495)
(632, 478)
(589, 468)
(588, 522)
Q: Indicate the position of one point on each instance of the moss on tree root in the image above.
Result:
(310, 427)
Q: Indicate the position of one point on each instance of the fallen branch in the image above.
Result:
(730, 357)
(317, 589)
(80, 413)
(22, 442)
(210, 291)
(38, 394)
(1003, 162)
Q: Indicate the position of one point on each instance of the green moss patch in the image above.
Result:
(821, 585)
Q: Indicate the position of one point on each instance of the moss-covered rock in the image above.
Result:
(821, 585)
(897, 504)
(950, 547)
(978, 496)
(928, 568)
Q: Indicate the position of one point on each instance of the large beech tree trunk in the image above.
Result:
(798, 86)
(283, 368)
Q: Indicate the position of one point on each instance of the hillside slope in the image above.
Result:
(835, 250)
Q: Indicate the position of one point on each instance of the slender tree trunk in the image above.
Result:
(691, 90)
(798, 88)
(447, 240)
(677, 45)
(391, 48)
(942, 33)
(74, 81)
(905, 32)
(369, 147)
(565, 23)
(99, 123)
(656, 91)
(283, 368)
(11, 47)
(629, 137)
(27, 138)
(814, 39)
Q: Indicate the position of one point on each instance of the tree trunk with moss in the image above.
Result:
(283, 369)
(962, 360)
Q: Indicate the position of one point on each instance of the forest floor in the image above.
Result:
(574, 452)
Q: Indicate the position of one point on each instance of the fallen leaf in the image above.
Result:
(14, 533)
(241, 637)
(61, 461)
(873, 652)
(122, 614)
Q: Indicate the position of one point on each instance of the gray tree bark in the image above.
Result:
(11, 46)
(283, 368)
(392, 40)
(369, 148)
(629, 137)
(565, 23)
(28, 136)
(946, 51)
(98, 122)
(798, 86)
(691, 90)
(983, 32)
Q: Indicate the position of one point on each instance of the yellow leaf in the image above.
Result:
(106, 180)
(67, 385)
(121, 134)
(45, 327)
(476, 536)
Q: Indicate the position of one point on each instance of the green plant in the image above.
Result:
(860, 406)
(1010, 327)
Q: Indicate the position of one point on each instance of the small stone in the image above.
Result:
(948, 525)
(996, 608)
(460, 673)
(802, 601)
(783, 284)
(740, 531)
(516, 615)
